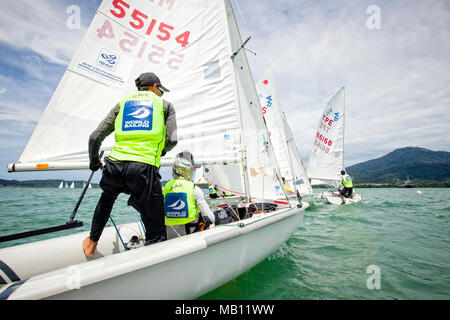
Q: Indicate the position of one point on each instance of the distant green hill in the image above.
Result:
(419, 164)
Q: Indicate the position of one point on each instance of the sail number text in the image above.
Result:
(323, 143)
(131, 43)
(139, 22)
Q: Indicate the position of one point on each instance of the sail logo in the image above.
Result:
(137, 115)
(330, 115)
(268, 104)
(175, 205)
(108, 60)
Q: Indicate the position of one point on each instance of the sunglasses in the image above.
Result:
(161, 89)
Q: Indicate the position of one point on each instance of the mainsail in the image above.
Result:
(194, 47)
(285, 148)
(327, 157)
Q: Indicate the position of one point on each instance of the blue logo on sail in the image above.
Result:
(137, 115)
(108, 60)
(176, 205)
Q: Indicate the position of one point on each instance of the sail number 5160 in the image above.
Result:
(139, 20)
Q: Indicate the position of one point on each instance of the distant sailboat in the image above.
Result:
(72, 186)
(327, 157)
(66, 186)
(408, 184)
(90, 186)
(61, 185)
(84, 185)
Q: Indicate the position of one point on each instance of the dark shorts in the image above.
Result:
(142, 182)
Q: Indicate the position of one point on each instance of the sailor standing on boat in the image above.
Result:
(348, 185)
(183, 199)
(145, 129)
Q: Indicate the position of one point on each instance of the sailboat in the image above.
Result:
(66, 186)
(408, 184)
(200, 57)
(61, 185)
(72, 186)
(90, 186)
(327, 157)
(285, 148)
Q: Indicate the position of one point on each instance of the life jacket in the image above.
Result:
(347, 181)
(212, 190)
(180, 206)
(140, 129)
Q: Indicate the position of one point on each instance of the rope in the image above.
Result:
(118, 233)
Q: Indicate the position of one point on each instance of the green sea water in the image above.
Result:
(395, 244)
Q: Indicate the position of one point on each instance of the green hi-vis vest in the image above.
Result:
(347, 181)
(179, 202)
(212, 190)
(140, 129)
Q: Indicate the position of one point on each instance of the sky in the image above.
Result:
(391, 56)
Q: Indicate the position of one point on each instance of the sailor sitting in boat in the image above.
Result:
(212, 191)
(183, 199)
(347, 182)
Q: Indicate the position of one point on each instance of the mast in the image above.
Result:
(244, 149)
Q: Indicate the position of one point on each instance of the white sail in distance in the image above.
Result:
(285, 148)
(212, 92)
(327, 157)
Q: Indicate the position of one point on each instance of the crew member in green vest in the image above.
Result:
(286, 187)
(212, 191)
(183, 200)
(145, 129)
(348, 185)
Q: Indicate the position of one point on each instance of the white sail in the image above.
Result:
(72, 186)
(199, 177)
(66, 186)
(84, 185)
(89, 186)
(286, 151)
(61, 185)
(327, 157)
(189, 52)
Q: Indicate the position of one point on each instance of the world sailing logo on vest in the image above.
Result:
(175, 205)
(108, 60)
(137, 115)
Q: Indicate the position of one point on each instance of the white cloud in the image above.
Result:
(39, 26)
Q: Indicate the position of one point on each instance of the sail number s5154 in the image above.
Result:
(133, 44)
(142, 21)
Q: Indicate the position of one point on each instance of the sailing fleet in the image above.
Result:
(235, 128)
(64, 185)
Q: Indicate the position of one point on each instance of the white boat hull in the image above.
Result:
(335, 198)
(181, 268)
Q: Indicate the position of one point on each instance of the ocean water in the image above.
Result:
(395, 244)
